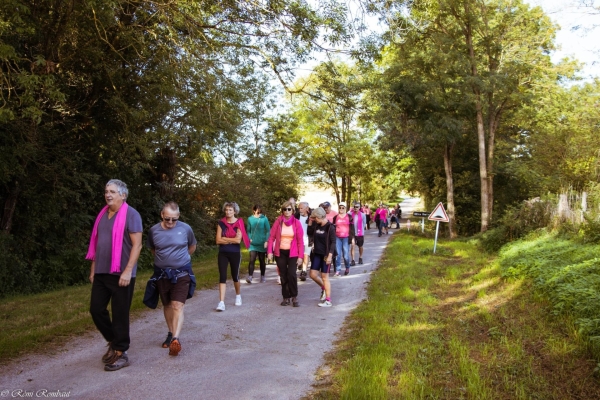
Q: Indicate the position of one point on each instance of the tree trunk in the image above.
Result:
(450, 190)
(9, 209)
(483, 174)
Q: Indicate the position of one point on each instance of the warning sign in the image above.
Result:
(439, 214)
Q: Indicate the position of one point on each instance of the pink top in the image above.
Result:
(275, 238)
(331, 215)
(342, 226)
(287, 235)
(382, 213)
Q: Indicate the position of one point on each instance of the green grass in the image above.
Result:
(447, 326)
(43, 321)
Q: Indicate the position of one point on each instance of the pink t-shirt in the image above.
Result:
(331, 215)
(342, 226)
(287, 235)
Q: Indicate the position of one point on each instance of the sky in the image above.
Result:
(579, 36)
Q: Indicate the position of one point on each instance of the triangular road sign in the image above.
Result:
(439, 214)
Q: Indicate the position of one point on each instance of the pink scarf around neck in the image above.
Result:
(117, 237)
(359, 223)
(230, 233)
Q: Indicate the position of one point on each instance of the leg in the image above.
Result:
(282, 265)
(292, 277)
(222, 261)
(176, 317)
(326, 284)
(120, 305)
(98, 306)
(261, 261)
(338, 259)
(253, 255)
(352, 251)
(235, 260)
(345, 252)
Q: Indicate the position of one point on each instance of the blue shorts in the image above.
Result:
(318, 264)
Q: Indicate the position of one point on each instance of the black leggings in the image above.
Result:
(261, 261)
(287, 272)
(233, 259)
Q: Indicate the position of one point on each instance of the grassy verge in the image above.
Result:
(43, 321)
(447, 326)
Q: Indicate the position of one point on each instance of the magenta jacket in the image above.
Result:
(297, 245)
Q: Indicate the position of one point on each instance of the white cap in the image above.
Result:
(342, 204)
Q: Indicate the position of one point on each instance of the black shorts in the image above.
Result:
(173, 291)
(359, 240)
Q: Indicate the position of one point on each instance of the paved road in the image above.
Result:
(259, 350)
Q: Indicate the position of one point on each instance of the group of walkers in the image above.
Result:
(298, 240)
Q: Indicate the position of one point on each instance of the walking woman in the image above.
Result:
(287, 243)
(258, 231)
(230, 233)
(323, 234)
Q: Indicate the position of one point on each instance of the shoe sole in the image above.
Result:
(110, 367)
(174, 348)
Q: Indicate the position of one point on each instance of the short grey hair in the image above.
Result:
(171, 205)
(121, 187)
(318, 213)
(232, 204)
(304, 203)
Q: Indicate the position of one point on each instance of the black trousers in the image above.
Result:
(106, 289)
(287, 272)
(261, 260)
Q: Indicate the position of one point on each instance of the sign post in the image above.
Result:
(422, 214)
(439, 215)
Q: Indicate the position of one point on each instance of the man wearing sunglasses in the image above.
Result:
(172, 242)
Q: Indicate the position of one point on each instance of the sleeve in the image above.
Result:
(272, 233)
(134, 221)
(332, 239)
(249, 228)
(299, 236)
(190, 236)
(150, 239)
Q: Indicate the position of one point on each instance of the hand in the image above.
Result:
(91, 278)
(299, 262)
(329, 259)
(125, 278)
(266, 244)
(270, 257)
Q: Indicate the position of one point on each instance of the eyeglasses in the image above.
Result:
(170, 219)
(287, 209)
(357, 207)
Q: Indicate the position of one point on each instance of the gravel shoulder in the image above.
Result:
(255, 351)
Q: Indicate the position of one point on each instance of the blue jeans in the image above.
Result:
(341, 246)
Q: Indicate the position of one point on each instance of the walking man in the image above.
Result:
(360, 224)
(303, 215)
(172, 243)
(114, 249)
(344, 234)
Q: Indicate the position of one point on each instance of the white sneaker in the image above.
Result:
(326, 303)
(221, 306)
(238, 299)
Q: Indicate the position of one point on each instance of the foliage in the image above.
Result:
(565, 271)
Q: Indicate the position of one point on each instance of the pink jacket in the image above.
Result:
(297, 246)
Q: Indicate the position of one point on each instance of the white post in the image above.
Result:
(437, 228)
(408, 225)
(422, 225)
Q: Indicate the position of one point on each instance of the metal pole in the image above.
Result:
(437, 228)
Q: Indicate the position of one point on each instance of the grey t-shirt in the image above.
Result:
(104, 245)
(171, 245)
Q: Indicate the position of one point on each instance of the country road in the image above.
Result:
(259, 350)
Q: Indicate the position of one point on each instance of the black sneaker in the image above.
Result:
(352, 263)
(360, 261)
(303, 276)
(121, 361)
(167, 341)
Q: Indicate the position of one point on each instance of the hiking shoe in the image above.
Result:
(303, 276)
(238, 299)
(110, 353)
(278, 280)
(167, 341)
(121, 361)
(360, 261)
(174, 347)
(249, 279)
(221, 306)
(295, 304)
(352, 263)
(323, 295)
(326, 303)
(263, 279)
(347, 271)
(285, 302)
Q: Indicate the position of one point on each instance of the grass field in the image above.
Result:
(447, 326)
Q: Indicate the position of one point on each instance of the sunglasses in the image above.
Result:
(342, 206)
(170, 219)
(357, 207)
(287, 209)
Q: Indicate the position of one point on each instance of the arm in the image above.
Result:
(225, 240)
(136, 248)
(272, 234)
(92, 269)
(191, 249)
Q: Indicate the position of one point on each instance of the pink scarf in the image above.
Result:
(230, 233)
(117, 237)
(359, 223)
(289, 221)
